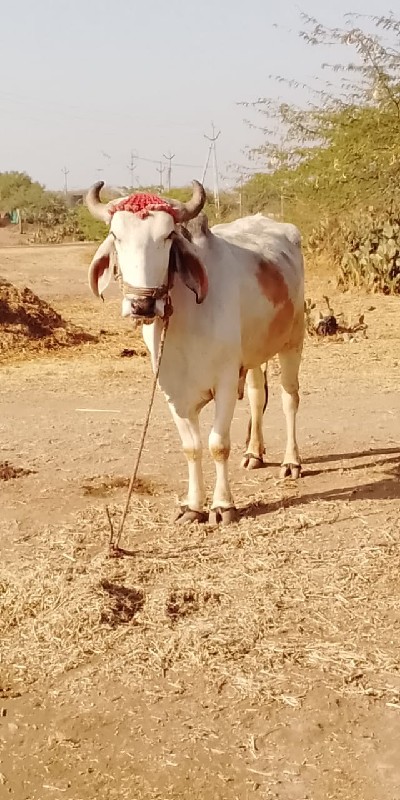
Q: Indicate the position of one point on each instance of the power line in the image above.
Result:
(65, 109)
(190, 166)
(157, 161)
(242, 168)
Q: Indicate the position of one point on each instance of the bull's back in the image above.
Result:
(256, 240)
(267, 259)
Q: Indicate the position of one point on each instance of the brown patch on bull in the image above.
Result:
(220, 453)
(296, 338)
(274, 288)
(192, 454)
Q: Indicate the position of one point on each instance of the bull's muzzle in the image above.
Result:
(143, 308)
(145, 304)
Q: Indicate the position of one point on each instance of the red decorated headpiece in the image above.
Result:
(142, 204)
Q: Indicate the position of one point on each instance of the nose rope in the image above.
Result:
(154, 293)
(115, 536)
(161, 292)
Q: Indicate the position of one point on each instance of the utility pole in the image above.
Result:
(106, 160)
(169, 169)
(206, 164)
(212, 151)
(241, 195)
(281, 163)
(132, 167)
(65, 172)
(160, 171)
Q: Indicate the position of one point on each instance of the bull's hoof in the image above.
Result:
(187, 515)
(223, 516)
(249, 461)
(290, 471)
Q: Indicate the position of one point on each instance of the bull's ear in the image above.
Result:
(188, 265)
(101, 268)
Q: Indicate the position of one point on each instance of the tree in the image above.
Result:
(17, 190)
(343, 146)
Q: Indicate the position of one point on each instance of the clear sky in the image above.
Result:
(85, 78)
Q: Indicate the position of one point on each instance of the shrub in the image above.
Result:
(365, 247)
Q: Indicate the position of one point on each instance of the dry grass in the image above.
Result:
(104, 484)
(266, 607)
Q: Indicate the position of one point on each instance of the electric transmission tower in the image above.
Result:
(169, 169)
(160, 171)
(65, 172)
(212, 154)
(132, 167)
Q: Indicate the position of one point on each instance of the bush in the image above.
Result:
(365, 247)
(91, 230)
(36, 205)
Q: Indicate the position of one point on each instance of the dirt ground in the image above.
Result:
(257, 661)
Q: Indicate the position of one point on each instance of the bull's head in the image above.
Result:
(148, 248)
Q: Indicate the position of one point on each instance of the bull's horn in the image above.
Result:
(192, 207)
(196, 202)
(96, 207)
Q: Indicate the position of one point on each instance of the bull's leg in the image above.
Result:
(290, 363)
(192, 508)
(223, 508)
(257, 392)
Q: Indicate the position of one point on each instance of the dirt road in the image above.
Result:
(259, 661)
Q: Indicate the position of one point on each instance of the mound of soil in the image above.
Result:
(29, 323)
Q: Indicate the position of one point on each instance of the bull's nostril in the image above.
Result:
(143, 307)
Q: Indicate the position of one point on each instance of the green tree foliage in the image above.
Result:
(229, 204)
(354, 123)
(18, 190)
(91, 230)
(339, 154)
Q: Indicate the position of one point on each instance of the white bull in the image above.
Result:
(248, 281)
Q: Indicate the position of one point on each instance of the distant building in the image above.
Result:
(74, 199)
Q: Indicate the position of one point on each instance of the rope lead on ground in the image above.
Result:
(114, 548)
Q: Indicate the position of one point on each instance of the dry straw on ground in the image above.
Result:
(265, 607)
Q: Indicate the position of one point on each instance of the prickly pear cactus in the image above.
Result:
(366, 249)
